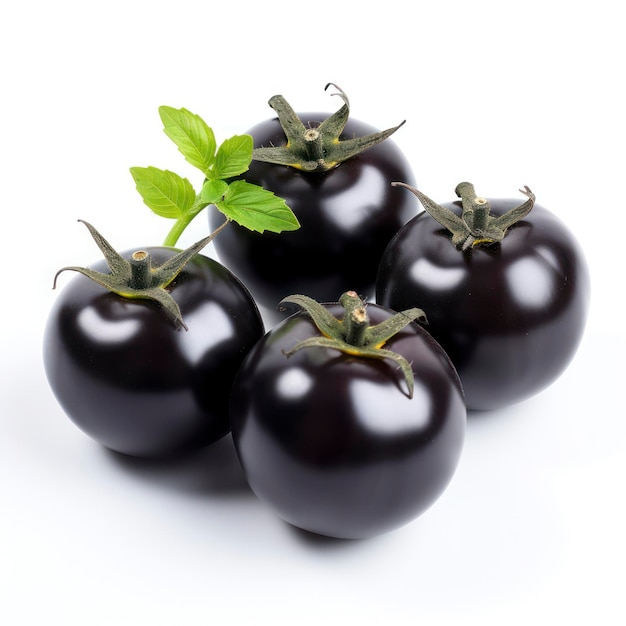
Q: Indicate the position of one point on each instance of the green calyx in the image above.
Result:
(316, 149)
(476, 226)
(137, 278)
(353, 334)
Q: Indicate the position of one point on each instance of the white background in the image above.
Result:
(531, 530)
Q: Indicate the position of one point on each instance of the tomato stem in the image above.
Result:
(140, 270)
(475, 226)
(316, 149)
(359, 323)
(354, 335)
(314, 145)
(136, 278)
(475, 209)
(356, 319)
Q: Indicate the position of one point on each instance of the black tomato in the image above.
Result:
(131, 380)
(333, 443)
(510, 315)
(347, 215)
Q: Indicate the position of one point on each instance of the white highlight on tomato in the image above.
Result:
(294, 383)
(107, 331)
(372, 404)
(434, 276)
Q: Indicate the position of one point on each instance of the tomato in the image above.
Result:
(347, 216)
(332, 441)
(131, 380)
(510, 313)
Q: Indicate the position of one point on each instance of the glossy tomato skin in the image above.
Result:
(334, 443)
(510, 316)
(347, 217)
(132, 381)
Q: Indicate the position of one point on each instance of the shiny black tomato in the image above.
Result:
(333, 443)
(510, 315)
(131, 380)
(347, 215)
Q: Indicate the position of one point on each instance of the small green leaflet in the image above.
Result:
(213, 191)
(256, 208)
(194, 138)
(167, 194)
(233, 157)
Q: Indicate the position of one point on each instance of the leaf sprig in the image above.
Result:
(171, 196)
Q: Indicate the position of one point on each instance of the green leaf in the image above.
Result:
(167, 194)
(256, 208)
(213, 191)
(194, 138)
(233, 157)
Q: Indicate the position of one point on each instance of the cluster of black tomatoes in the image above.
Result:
(348, 415)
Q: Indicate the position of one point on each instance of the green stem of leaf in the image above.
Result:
(176, 231)
(182, 222)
